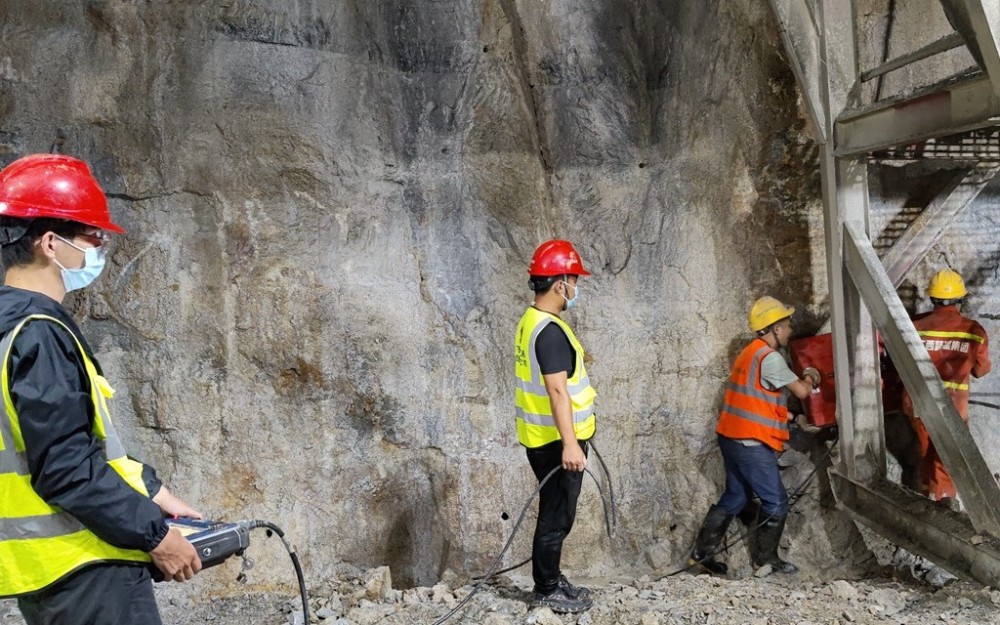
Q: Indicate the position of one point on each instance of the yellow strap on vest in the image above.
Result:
(938, 334)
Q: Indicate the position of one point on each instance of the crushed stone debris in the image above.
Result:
(775, 600)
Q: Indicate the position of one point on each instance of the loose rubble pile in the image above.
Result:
(368, 598)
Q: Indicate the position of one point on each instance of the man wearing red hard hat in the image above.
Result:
(555, 415)
(80, 521)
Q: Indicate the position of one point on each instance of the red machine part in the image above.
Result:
(817, 351)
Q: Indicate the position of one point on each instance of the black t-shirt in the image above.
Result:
(554, 351)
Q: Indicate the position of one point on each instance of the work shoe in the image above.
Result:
(576, 592)
(701, 563)
(780, 566)
(561, 602)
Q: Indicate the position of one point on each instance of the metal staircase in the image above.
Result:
(957, 118)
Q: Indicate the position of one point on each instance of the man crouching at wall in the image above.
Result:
(752, 431)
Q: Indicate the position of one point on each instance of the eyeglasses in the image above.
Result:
(97, 239)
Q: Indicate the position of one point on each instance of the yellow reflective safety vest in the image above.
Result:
(535, 424)
(40, 544)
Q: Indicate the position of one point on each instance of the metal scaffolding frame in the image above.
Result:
(947, 120)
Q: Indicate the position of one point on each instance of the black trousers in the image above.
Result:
(104, 594)
(556, 513)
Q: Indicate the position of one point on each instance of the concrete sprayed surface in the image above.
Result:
(330, 209)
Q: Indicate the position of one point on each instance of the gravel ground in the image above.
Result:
(369, 599)
(682, 599)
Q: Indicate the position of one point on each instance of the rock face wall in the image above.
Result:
(330, 210)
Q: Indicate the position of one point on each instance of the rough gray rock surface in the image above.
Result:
(330, 209)
(680, 600)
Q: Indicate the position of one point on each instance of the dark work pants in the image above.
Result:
(752, 470)
(105, 594)
(556, 513)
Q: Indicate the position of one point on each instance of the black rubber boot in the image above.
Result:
(748, 515)
(713, 530)
(768, 538)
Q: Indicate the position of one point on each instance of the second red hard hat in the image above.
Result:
(54, 186)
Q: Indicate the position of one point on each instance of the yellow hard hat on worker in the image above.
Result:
(946, 284)
(767, 311)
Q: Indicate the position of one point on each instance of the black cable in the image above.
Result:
(608, 514)
(984, 403)
(610, 526)
(792, 500)
(492, 572)
(513, 533)
(271, 527)
(611, 490)
(506, 570)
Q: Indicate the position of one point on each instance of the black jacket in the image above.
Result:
(51, 393)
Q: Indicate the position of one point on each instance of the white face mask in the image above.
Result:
(576, 295)
(93, 265)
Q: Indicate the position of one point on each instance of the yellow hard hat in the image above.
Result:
(766, 311)
(946, 284)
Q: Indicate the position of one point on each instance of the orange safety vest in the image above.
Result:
(749, 410)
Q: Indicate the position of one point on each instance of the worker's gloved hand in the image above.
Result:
(813, 374)
(803, 424)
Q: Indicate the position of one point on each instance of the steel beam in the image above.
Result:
(960, 107)
(845, 199)
(934, 221)
(978, 23)
(985, 17)
(944, 44)
(802, 47)
(855, 349)
(839, 73)
(918, 525)
(951, 436)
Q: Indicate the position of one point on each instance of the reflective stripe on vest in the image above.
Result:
(956, 385)
(750, 411)
(535, 422)
(939, 334)
(39, 526)
(40, 544)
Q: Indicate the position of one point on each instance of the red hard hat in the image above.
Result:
(556, 258)
(54, 186)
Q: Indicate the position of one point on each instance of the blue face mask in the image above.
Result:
(576, 295)
(93, 265)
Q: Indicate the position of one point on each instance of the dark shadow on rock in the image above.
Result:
(901, 442)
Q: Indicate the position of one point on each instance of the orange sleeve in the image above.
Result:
(982, 365)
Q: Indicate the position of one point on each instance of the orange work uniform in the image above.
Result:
(959, 348)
